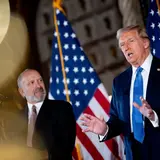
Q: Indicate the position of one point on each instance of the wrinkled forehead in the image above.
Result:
(30, 75)
(128, 34)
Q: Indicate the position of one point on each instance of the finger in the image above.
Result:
(84, 124)
(136, 105)
(89, 116)
(146, 106)
(85, 119)
(150, 113)
(143, 100)
(86, 130)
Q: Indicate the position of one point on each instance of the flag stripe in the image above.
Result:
(74, 153)
(88, 144)
(102, 101)
(85, 153)
(111, 144)
(98, 110)
(101, 147)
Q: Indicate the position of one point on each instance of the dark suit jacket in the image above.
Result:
(55, 129)
(119, 121)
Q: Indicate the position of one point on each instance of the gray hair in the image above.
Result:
(141, 31)
(19, 79)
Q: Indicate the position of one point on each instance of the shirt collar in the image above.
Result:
(146, 64)
(38, 105)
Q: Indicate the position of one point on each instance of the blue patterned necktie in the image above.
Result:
(137, 117)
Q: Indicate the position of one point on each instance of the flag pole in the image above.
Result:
(78, 150)
(57, 4)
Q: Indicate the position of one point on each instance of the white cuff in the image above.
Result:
(155, 123)
(102, 137)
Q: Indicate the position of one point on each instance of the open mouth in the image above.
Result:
(40, 90)
(129, 54)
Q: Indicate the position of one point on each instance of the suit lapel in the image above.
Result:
(42, 114)
(123, 95)
(126, 93)
(38, 141)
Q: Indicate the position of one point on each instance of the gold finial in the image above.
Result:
(58, 4)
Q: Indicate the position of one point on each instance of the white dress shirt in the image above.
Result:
(145, 74)
(38, 107)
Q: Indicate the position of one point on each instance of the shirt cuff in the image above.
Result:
(155, 123)
(102, 137)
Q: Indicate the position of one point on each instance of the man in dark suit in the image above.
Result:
(135, 107)
(51, 123)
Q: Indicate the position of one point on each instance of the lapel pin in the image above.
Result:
(158, 69)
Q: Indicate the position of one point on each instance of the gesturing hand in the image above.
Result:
(145, 109)
(93, 124)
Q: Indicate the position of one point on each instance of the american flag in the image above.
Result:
(85, 90)
(153, 27)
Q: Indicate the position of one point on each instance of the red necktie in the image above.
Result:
(31, 126)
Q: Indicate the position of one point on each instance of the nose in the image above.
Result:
(38, 84)
(126, 47)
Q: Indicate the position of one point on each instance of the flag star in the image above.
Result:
(50, 80)
(56, 45)
(82, 58)
(85, 92)
(56, 57)
(90, 69)
(92, 81)
(57, 80)
(57, 68)
(68, 80)
(55, 34)
(57, 11)
(153, 38)
(152, 12)
(66, 92)
(73, 35)
(159, 25)
(66, 35)
(66, 46)
(152, 25)
(58, 91)
(58, 22)
(75, 58)
(77, 103)
(67, 69)
(65, 23)
(76, 92)
(73, 46)
(66, 58)
(154, 51)
(83, 69)
(76, 81)
(75, 69)
(84, 80)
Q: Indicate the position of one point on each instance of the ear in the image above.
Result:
(21, 92)
(146, 43)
